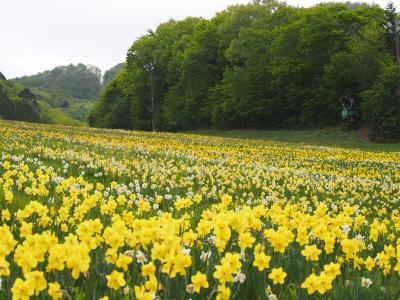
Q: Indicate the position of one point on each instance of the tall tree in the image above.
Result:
(111, 73)
(261, 65)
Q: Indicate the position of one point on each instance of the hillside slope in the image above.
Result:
(70, 90)
(18, 102)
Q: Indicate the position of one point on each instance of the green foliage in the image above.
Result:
(112, 109)
(18, 103)
(72, 107)
(6, 105)
(52, 97)
(263, 65)
(381, 106)
(68, 90)
(80, 81)
(78, 111)
(56, 116)
(111, 73)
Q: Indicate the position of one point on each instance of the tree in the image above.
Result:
(27, 95)
(6, 105)
(380, 105)
(113, 107)
(80, 81)
(26, 108)
(111, 73)
(261, 65)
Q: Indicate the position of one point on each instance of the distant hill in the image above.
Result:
(73, 107)
(80, 81)
(64, 95)
(72, 89)
(18, 102)
(111, 73)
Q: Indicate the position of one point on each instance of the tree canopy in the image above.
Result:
(18, 103)
(262, 65)
(80, 81)
(111, 73)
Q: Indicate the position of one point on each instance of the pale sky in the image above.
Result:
(36, 35)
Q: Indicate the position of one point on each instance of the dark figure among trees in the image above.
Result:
(265, 65)
(350, 113)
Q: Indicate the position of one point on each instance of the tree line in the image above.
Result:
(17, 103)
(264, 65)
(78, 81)
(70, 89)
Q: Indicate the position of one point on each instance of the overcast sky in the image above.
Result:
(36, 35)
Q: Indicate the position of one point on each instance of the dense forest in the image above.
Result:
(71, 89)
(80, 81)
(17, 103)
(265, 65)
(111, 73)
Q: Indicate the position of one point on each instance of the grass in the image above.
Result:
(321, 137)
(57, 116)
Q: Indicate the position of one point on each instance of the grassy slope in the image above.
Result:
(49, 114)
(56, 116)
(78, 109)
(326, 137)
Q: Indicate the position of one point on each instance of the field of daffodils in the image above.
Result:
(112, 214)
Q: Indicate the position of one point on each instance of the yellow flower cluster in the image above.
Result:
(102, 214)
